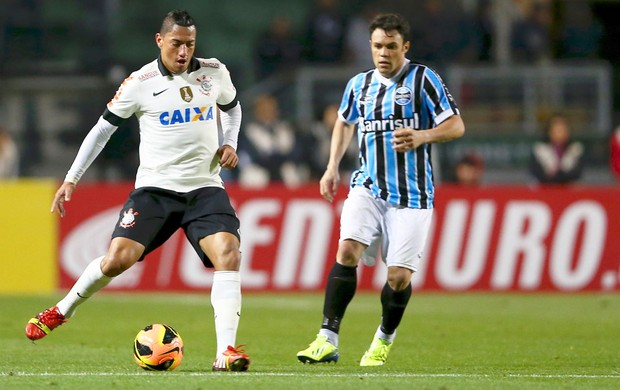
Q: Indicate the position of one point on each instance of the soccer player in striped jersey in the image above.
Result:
(175, 98)
(398, 110)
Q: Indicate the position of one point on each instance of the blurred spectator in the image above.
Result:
(119, 161)
(317, 143)
(581, 35)
(484, 30)
(277, 49)
(324, 33)
(530, 36)
(615, 152)
(357, 37)
(268, 150)
(469, 170)
(9, 156)
(557, 159)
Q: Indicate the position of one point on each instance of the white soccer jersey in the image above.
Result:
(178, 122)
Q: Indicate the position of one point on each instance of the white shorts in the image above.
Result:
(400, 232)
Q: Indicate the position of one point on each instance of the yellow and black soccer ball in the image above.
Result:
(158, 347)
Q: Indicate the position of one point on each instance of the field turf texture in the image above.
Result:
(446, 341)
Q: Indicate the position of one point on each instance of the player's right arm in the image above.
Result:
(92, 145)
(122, 106)
(341, 138)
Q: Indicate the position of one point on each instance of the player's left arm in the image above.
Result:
(231, 123)
(230, 118)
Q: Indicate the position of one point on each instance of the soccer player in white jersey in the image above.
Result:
(399, 109)
(175, 98)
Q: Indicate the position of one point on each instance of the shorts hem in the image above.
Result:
(403, 265)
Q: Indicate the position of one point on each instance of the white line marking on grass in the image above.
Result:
(348, 375)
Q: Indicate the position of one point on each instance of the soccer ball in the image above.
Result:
(158, 347)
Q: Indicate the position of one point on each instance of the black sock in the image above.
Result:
(341, 285)
(394, 304)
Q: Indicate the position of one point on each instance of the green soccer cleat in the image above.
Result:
(377, 353)
(319, 351)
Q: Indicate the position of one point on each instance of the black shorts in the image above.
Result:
(151, 215)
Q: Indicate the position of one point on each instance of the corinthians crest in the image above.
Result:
(186, 94)
(129, 218)
(205, 84)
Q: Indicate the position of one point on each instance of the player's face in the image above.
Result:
(388, 51)
(177, 47)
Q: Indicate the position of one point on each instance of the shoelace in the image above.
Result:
(380, 352)
(238, 349)
(51, 318)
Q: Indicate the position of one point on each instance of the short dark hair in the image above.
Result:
(390, 22)
(179, 17)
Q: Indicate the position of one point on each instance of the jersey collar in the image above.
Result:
(394, 79)
(194, 65)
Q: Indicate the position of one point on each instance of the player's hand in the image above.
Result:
(228, 157)
(408, 139)
(62, 195)
(329, 183)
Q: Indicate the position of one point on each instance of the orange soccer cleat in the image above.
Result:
(233, 359)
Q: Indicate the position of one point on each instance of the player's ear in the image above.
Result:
(159, 39)
(406, 46)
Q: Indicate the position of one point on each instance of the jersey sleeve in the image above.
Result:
(125, 102)
(93, 143)
(228, 93)
(437, 98)
(348, 111)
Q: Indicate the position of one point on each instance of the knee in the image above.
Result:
(349, 253)
(118, 261)
(223, 250)
(227, 257)
(347, 260)
(399, 278)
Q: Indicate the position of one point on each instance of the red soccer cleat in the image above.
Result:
(43, 323)
(233, 359)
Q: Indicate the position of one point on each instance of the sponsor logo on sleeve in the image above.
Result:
(208, 64)
(148, 75)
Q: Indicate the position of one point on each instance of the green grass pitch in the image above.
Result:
(446, 341)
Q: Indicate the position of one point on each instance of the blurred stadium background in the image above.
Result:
(510, 64)
(62, 60)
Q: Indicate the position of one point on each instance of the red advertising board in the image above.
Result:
(483, 239)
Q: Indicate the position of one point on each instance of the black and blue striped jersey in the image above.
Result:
(416, 98)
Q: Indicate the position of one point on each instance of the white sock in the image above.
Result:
(91, 281)
(387, 337)
(332, 336)
(226, 302)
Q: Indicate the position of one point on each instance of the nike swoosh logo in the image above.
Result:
(81, 296)
(160, 92)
